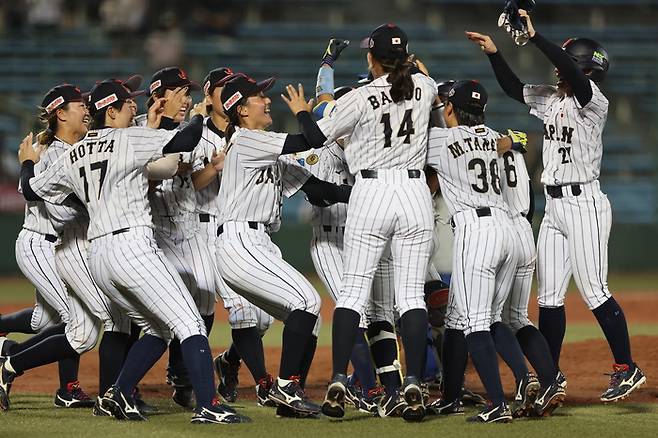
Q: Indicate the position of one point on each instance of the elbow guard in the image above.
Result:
(324, 109)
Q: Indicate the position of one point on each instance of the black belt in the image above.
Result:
(51, 238)
(252, 224)
(556, 191)
(122, 230)
(329, 229)
(371, 173)
(480, 212)
(204, 217)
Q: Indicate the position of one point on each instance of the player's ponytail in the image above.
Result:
(47, 136)
(399, 76)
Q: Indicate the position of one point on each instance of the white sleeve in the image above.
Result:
(294, 176)
(437, 141)
(53, 185)
(163, 168)
(596, 110)
(147, 143)
(258, 149)
(537, 97)
(342, 119)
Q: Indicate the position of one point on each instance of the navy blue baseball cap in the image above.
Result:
(388, 41)
(107, 92)
(239, 86)
(469, 96)
(171, 78)
(61, 95)
(214, 77)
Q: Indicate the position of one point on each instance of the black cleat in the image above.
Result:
(334, 401)
(526, 391)
(227, 374)
(624, 380)
(217, 414)
(292, 395)
(120, 406)
(493, 414)
(285, 412)
(6, 378)
(548, 399)
(73, 397)
(414, 409)
(98, 410)
(390, 405)
(144, 408)
(444, 407)
(262, 391)
(369, 403)
(471, 398)
(561, 380)
(183, 396)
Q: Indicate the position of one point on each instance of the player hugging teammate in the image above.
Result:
(160, 216)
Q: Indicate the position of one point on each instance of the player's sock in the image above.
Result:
(344, 330)
(536, 349)
(39, 337)
(307, 360)
(232, 356)
(364, 370)
(297, 331)
(613, 323)
(553, 324)
(208, 320)
(176, 370)
(111, 354)
(140, 359)
(50, 350)
(413, 325)
(384, 350)
(509, 349)
(135, 331)
(17, 322)
(68, 371)
(198, 361)
(249, 344)
(453, 363)
(483, 353)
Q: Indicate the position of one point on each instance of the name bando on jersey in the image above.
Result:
(383, 135)
(106, 170)
(466, 160)
(573, 144)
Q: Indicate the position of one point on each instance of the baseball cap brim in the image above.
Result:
(265, 85)
(365, 43)
(133, 82)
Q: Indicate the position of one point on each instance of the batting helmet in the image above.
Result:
(443, 89)
(436, 298)
(341, 91)
(588, 56)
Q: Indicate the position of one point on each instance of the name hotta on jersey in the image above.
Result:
(91, 147)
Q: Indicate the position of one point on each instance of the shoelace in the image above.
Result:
(617, 374)
(74, 389)
(375, 392)
(266, 382)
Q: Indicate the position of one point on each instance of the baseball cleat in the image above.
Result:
(334, 400)
(5, 345)
(623, 381)
(120, 406)
(414, 409)
(292, 395)
(6, 377)
(526, 391)
(444, 407)
(472, 399)
(217, 414)
(73, 397)
(183, 396)
(561, 380)
(227, 374)
(493, 414)
(352, 395)
(390, 405)
(425, 389)
(548, 399)
(285, 412)
(368, 403)
(262, 391)
(144, 408)
(98, 410)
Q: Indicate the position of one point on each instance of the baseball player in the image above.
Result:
(574, 114)
(387, 122)
(248, 322)
(106, 171)
(254, 178)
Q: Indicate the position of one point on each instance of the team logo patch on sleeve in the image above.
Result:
(312, 159)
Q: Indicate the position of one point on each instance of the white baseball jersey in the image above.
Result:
(515, 182)
(573, 146)
(466, 161)
(256, 176)
(36, 216)
(383, 135)
(106, 171)
(328, 164)
(212, 140)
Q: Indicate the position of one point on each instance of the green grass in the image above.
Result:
(33, 415)
(583, 332)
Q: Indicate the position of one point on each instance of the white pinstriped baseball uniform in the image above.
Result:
(35, 256)
(90, 309)
(394, 207)
(241, 313)
(576, 227)
(515, 185)
(254, 179)
(328, 164)
(106, 170)
(484, 252)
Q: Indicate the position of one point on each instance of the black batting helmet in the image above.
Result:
(588, 56)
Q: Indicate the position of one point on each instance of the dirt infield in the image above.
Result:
(584, 363)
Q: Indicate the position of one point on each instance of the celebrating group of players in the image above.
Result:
(135, 223)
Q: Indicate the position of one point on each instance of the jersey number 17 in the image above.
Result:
(98, 165)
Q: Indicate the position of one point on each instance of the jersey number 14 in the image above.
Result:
(406, 128)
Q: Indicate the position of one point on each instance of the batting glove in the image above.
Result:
(519, 140)
(333, 51)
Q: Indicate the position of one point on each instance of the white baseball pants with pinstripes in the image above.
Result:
(391, 209)
(135, 274)
(35, 257)
(241, 313)
(573, 239)
(327, 256)
(252, 266)
(90, 309)
(485, 257)
(515, 310)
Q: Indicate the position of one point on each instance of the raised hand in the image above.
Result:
(27, 152)
(296, 100)
(484, 41)
(333, 51)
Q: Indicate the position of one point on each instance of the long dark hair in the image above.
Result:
(468, 119)
(98, 119)
(49, 120)
(233, 119)
(399, 76)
